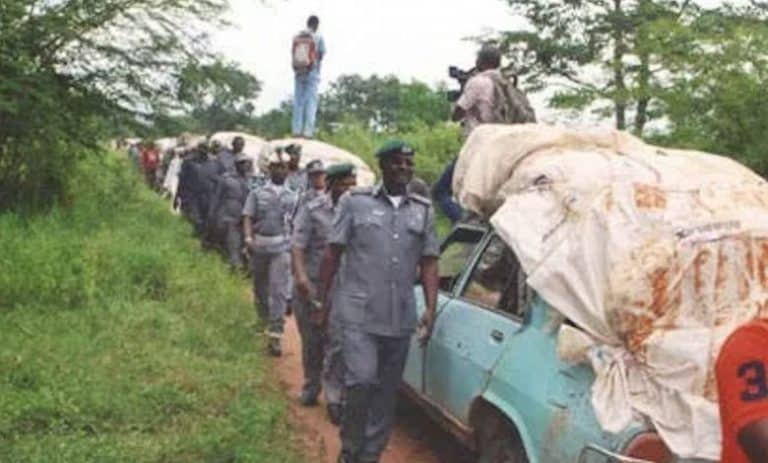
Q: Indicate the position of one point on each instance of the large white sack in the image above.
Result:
(329, 154)
(658, 254)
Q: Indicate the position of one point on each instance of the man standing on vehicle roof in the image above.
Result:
(266, 217)
(387, 237)
(488, 98)
(307, 53)
(311, 227)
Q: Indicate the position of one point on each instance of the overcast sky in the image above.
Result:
(413, 39)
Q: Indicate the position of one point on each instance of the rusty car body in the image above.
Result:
(491, 374)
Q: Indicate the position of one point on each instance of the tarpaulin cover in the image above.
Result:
(329, 154)
(657, 254)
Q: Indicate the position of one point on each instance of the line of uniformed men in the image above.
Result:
(353, 256)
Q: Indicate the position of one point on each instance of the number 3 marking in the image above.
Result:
(757, 384)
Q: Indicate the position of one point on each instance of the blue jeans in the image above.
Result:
(443, 194)
(305, 104)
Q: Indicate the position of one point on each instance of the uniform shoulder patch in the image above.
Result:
(420, 199)
(361, 190)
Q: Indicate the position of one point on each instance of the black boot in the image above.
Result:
(274, 348)
(335, 413)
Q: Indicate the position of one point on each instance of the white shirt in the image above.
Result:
(477, 100)
(396, 200)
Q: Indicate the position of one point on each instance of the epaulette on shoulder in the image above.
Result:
(420, 199)
(361, 190)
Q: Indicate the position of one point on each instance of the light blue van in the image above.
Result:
(491, 374)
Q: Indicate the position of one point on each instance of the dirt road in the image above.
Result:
(415, 440)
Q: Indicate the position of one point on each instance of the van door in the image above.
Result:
(456, 251)
(472, 330)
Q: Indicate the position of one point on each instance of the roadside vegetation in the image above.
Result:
(122, 341)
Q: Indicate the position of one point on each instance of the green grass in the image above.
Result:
(121, 341)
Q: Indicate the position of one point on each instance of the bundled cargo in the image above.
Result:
(656, 254)
(329, 154)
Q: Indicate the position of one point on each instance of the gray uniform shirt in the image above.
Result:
(311, 228)
(227, 203)
(297, 181)
(270, 208)
(227, 160)
(383, 247)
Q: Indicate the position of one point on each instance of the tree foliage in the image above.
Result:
(218, 96)
(596, 54)
(715, 94)
(72, 68)
(383, 103)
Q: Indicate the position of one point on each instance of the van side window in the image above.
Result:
(497, 281)
(456, 250)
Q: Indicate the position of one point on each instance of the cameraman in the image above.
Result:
(489, 97)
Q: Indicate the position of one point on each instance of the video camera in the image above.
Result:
(462, 76)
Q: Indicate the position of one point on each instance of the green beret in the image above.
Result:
(395, 146)
(338, 171)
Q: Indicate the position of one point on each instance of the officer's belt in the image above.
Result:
(263, 240)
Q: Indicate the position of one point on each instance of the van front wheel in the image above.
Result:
(499, 441)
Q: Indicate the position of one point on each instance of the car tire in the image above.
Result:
(499, 441)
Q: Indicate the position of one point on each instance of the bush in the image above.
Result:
(122, 341)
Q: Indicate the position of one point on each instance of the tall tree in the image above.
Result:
(595, 54)
(716, 92)
(71, 67)
(218, 95)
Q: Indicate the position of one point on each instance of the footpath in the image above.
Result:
(416, 439)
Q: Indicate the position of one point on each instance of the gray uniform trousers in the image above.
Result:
(233, 244)
(272, 286)
(333, 365)
(312, 341)
(375, 367)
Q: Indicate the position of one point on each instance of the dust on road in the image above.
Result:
(416, 439)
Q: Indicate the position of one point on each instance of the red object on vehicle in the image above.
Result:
(649, 446)
(742, 384)
(150, 159)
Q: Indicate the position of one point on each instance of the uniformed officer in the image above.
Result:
(315, 171)
(387, 238)
(340, 178)
(310, 238)
(197, 180)
(226, 157)
(266, 217)
(225, 211)
(297, 177)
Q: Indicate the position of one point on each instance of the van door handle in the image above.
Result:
(497, 335)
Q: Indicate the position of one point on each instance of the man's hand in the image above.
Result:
(426, 325)
(306, 288)
(248, 243)
(319, 314)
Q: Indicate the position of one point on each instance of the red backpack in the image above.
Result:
(304, 52)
